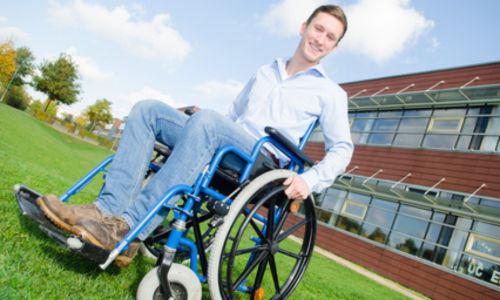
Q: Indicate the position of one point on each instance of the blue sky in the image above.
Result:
(203, 52)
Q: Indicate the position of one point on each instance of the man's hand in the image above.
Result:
(297, 188)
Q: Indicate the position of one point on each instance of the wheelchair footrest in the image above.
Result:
(26, 199)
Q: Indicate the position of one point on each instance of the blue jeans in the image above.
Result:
(193, 140)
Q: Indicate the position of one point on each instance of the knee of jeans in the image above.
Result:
(146, 106)
(204, 119)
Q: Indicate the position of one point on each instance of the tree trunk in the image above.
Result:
(47, 106)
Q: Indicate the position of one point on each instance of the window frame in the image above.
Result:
(473, 237)
(431, 129)
(343, 211)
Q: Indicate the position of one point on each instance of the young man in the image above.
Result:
(287, 94)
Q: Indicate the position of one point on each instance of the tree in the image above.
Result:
(99, 114)
(7, 63)
(58, 80)
(17, 97)
(25, 66)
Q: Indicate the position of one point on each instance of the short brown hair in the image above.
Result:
(333, 10)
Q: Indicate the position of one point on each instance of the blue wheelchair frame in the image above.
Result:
(177, 237)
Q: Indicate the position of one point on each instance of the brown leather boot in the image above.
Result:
(107, 233)
(66, 216)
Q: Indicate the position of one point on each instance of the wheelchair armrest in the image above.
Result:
(280, 138)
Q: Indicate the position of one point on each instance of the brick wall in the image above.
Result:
(430, 281)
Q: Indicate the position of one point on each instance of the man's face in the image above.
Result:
(320, 37)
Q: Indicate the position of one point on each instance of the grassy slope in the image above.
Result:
(34, 267)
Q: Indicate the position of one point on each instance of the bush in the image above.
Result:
(17, 98)
(37, 110)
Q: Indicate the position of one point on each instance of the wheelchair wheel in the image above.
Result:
(184, 283)
(252, 255)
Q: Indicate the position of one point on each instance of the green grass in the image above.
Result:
(32, 266)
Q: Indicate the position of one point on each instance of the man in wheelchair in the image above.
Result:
(288, 95)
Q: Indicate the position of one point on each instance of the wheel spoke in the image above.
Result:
(249, 269)
(248, 250)
(291, 254)
(255, 227)
(281, 222)
(274, 272)
(291, 230)
(270, 220)
(260, 273)
(257, 230)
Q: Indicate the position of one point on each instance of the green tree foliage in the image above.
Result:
(7, 63)
(58, 80)
(25, 66)
(37, 109)
(17, 97)
(98, 114)
(36, 106)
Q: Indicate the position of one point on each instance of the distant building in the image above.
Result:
(420, 201)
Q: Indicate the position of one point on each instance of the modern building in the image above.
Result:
(420, 201)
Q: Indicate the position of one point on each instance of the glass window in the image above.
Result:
(480, 268)
(490, 141)
(333, 199)
(375, 233)
(449, 112)
(412, 127)
(439, 141)
(459, 237)
(380, 217)
(430, 251)
(323, 215)
(385, 126)
(348, 224)
(354, 209)
(483, 246)
(404, 243)
(388, 205)
(445, 124)
(487, 229)
(361, 124)
(359, 197)
(406, 223)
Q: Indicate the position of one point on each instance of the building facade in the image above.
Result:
(420, 201)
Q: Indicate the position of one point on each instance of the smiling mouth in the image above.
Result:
(315, 48)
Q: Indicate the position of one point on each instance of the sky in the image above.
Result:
(196, 52)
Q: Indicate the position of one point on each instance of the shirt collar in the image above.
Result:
(317, 70)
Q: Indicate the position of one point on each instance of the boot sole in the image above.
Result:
(58, 222)
(121, 261)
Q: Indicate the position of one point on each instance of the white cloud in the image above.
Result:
(153, 39)
(87, 67)
(379, 30)
(382, 29)
(122, 105)
(285, 18)
(218, 95)
(11, 33)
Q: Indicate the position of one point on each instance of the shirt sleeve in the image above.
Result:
(334, 124)
(237, 108)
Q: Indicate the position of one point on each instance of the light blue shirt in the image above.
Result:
(290, 104)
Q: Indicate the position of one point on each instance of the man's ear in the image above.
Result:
(303, 28)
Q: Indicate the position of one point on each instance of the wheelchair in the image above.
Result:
(235, 227)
